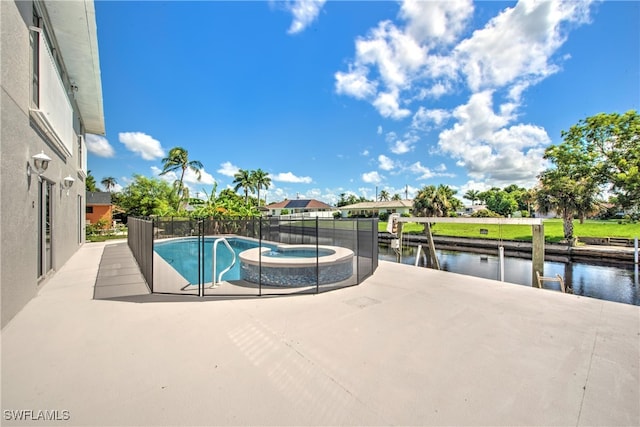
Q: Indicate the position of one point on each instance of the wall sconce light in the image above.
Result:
(67, 183)
(41, 162)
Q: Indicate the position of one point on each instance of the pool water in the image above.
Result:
(298, 253)
(182, 255)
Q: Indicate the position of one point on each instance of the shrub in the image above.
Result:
(485, 213)
(384, 216)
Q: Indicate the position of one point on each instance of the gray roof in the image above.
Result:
(98, 198)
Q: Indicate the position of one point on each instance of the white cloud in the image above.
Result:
(304, 13)
(491, 150)
(435, 91)
(517, 44)
(372, 177)
(401, 146)
(355, 83)
(99, 145)
(422, 57)
(385, 163)
(290, 177)
(205, 177)
(424, 172)
(169, 177)
(423, 118)
(379, 131)
(228, 169)
(147, 147)
(436, 21)
(441, 167)
(387, 105)
(365, 153)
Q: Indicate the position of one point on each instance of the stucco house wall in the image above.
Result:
(20, 139)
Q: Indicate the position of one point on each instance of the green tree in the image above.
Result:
(90, 182)
(598, 152)
(243, 179)
(528, 198)
(435, 201)
(471, 195)
(396, 197)
(260, 180)
(613, 142)
(147, 196)
(178, 160)
(108, 183)
(501, 202)
(383, 196)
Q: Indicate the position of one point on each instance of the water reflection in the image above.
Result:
(611, 283)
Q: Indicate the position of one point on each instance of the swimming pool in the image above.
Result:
(270, 264)
(182, 255)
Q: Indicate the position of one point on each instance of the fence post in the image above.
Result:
(317, 259)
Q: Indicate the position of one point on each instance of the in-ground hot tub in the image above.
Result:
(296, 265)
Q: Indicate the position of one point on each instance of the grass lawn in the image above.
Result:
(552, 230)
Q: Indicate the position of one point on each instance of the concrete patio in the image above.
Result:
(409, 346)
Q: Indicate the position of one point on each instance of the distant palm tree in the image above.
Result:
(435, 201)
(529, 197)
(178, 159)
(472, 195)
(108, 183)
(396, 197)
(243, 179)
(383, 196)
(260, 180)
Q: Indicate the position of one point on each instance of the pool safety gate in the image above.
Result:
(259, 276)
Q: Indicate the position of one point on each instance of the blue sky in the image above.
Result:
(353, 96)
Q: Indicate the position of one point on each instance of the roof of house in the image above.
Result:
(300, 204)
(391, 204)
(98, 198)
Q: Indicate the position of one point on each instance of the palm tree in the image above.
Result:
(260, 180)
(108, 183)
(383, 196)
(396, 197)
(90, 182)
(567, 196)
(243, 179)
(472, 195)
(435, 201)
(178, 159)
(529, 197)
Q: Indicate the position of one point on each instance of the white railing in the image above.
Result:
(54, 113)
(215, 253)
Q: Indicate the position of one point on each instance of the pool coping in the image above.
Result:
(256, 256)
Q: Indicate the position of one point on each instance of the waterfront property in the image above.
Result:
(374, 209)
(51, 97)
(409, 346)
(299, 208)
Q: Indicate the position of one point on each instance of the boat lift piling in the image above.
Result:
(537, 232)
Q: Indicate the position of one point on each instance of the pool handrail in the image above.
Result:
(233, 262)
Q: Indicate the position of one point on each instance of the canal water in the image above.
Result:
(617, 283)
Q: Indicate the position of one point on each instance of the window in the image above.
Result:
(89, 209)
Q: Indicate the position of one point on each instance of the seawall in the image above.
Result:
(553, 251)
